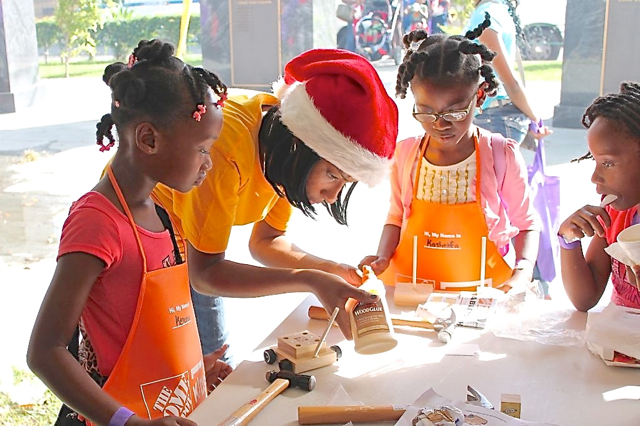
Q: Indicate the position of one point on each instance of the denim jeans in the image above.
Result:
(212, 324)
(507, 120)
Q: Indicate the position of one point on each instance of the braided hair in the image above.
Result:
(623, 108)
(512, 5)
(444, 59)
(157, 86)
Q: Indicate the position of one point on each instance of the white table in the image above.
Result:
(562, 385)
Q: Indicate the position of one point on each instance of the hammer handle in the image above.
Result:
(318, 312)
(248, 411)
(317, 415)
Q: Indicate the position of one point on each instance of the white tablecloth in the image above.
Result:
(567, 386)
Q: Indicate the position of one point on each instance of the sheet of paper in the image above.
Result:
(471, 309)
(616, 328)
(473, 414)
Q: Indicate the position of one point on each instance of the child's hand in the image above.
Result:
(585, 223)
(216, 370)
(378, 264)
(164, 421)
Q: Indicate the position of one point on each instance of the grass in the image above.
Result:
(41, 413)
(542, 70)
(90, 68)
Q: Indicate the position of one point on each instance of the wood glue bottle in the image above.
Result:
(370, 321)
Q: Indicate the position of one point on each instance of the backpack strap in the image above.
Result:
(166, 221)
(498, 149)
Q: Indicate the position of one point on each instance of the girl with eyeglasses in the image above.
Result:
(457, 183)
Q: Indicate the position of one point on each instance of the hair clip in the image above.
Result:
(223, 98)
(132, 61)
(197, 115)
(116, 104)
(104, 147)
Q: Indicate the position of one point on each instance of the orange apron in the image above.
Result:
(449, 244)
(160, 371)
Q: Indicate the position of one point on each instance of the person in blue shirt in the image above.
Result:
(509, 112)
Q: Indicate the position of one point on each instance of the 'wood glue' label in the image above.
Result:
(370, 318)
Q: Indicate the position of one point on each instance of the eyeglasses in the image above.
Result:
(431, 117)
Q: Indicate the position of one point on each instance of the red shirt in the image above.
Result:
(624, 293)
(95, 226)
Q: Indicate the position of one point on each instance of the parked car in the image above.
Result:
(543, 26)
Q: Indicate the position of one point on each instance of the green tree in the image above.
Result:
(463, 10)
(47, 35)
(118, 32)
(77, 20)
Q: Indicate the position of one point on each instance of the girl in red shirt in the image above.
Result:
(120, 278)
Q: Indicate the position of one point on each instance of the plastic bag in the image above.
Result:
(539, 321)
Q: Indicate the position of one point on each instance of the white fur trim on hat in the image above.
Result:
(301, 116)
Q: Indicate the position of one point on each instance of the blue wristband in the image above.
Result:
(568, 246)
(120, 417)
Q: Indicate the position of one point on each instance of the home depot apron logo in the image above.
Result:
(173, 396)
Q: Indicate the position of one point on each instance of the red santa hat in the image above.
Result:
(334, 101)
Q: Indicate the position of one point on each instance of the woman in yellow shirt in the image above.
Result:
(329, 123)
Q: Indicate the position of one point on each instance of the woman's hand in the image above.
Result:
(215, 369)
(378, 264)
(348, 273)
(164, 421)
(585, 223)
(332, 291)
(542, 132)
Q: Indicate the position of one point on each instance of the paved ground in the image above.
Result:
(48, 159)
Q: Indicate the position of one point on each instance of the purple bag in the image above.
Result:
(545, 191)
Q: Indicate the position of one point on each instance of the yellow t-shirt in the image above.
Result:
(235, 191)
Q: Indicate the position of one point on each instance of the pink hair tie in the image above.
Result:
(197, 115)
(223, 98)
(104, 147)
(132, 61)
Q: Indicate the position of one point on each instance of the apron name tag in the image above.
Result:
(441, 245)
(462, 284)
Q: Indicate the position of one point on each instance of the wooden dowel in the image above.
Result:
(317, 415)
(326, 331)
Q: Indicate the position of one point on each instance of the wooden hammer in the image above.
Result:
(279, 382)
(317, 415)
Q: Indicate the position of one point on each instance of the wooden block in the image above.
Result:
(406, 294)
(326, 356)
(299, 345)
(510, 405)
